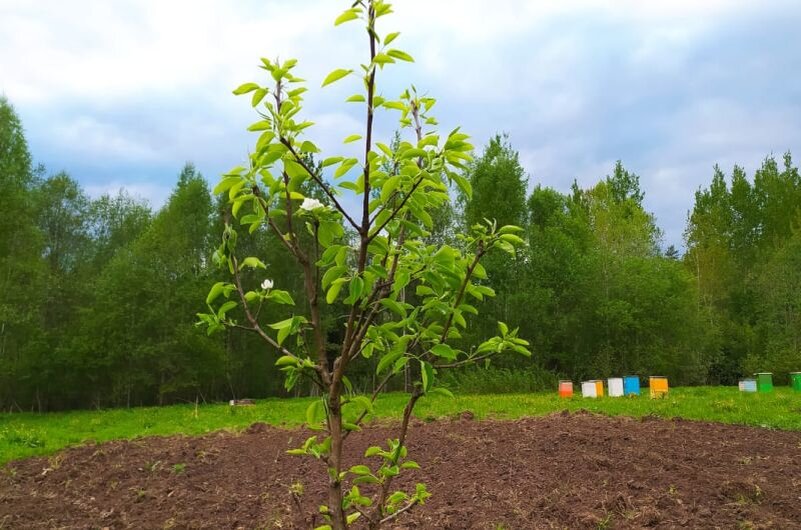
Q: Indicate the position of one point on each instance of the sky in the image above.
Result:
(121, 93)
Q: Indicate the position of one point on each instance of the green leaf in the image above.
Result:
(281, 297)
(332, 274)
(356, 98)
(333, 292)
(245, 88)
(350, 14)
(286, 360)
(336, 75)
(283, 333)
(427, 375)
(429, 140)
(442, 391)
(444, 351)
(396, 105)
(313, 412)
(215, 291)
(345, 166)
(366, 479)
(224, 184)
(382, 59)
(262, 125)
(258, 95)
(388, 359)
(508, 229)
(398, 54)
(356, 289)
(365, 403)
(253, 263)
(391, 37)
(503, 328)
(282, 324)
(309, 147)
(512, 238)
(360, 470)
(410, 464)
(394, 306)
(294, 170)
(227, 306)
(389, 187)
(332, 160)
(352, 138)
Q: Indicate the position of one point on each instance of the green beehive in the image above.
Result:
(795, 380)
(764, 382)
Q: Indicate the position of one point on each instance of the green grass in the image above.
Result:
(27, 434)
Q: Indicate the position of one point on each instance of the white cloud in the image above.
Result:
(669, 87)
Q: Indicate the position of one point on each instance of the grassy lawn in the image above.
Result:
(27, 434)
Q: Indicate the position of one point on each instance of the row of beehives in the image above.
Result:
(616, 387)
(763, 382)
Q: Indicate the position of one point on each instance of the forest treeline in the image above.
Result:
(99, 297)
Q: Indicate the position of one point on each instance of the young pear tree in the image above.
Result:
(397, 189)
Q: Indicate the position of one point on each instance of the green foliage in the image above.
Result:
(743, 251)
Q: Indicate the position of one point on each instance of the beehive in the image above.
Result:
(615, 385)
(599, 387)
(764, 382)
(565, 389)
(748, 385)
(589, 389)
(658, 385)
(631, 385)
(795, 380)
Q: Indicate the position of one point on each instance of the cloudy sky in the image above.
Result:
(120, 93)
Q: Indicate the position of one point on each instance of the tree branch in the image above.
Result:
(249, 315)
(321, 183)
(292, 247)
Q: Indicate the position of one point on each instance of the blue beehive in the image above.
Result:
(631, 385)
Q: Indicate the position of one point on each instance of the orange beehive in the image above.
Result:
(658, 385)
(599, 388)
(565, 389)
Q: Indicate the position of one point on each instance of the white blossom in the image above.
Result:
(311, 204)
(267, 284)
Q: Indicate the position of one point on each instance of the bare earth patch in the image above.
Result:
(560, 471)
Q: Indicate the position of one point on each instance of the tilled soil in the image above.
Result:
(560, 471)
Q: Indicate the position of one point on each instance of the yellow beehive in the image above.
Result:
(659, 386)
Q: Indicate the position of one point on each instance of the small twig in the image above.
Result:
(463, 362)
(402, 510)
(396, 210)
